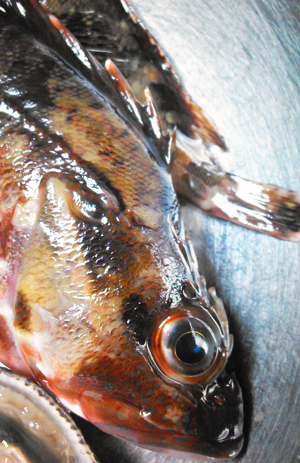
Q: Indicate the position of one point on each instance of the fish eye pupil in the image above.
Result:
(191, 348)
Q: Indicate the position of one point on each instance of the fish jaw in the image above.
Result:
(218, 418)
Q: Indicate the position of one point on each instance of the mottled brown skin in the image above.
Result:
(92, 245)
(88, 139)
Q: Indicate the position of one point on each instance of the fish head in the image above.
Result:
(111, 321)
(163, 389)
(181, 401)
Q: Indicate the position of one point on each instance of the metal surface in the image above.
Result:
(240, 61)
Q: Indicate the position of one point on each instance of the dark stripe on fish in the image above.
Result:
(137, 317)
(22, 312)
(100, 176)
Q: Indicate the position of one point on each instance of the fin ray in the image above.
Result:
(267, 209)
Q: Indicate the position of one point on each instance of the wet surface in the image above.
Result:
(241, 65)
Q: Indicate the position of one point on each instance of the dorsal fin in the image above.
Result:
(146, 116)
(153, 115)
(167, 143)
(171, 150)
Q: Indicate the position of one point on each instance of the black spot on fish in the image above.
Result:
(137, 317)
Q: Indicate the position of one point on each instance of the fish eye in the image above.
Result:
(187, 349)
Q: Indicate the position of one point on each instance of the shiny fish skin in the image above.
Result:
(95, 257)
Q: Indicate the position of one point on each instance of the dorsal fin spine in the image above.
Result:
(170, 157)
(153, 115)
(125, 91)
(146, 116)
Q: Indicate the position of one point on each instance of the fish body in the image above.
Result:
(101, 298)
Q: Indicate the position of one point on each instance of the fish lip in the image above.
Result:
(227, 449)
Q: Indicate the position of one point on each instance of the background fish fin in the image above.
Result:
(264, 208)
(112, 30)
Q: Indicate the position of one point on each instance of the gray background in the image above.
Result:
(240, 62)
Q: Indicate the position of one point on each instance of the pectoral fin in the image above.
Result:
(264, 208)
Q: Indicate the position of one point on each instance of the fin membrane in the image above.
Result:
(264, 208)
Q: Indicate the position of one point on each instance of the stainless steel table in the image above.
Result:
(240, 61)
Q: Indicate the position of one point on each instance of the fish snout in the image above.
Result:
(219, 416)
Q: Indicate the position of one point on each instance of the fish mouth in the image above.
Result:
(214, 428)
(180, 445)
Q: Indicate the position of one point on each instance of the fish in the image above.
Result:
(34, 427)
(102, 302)
(101, 299)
